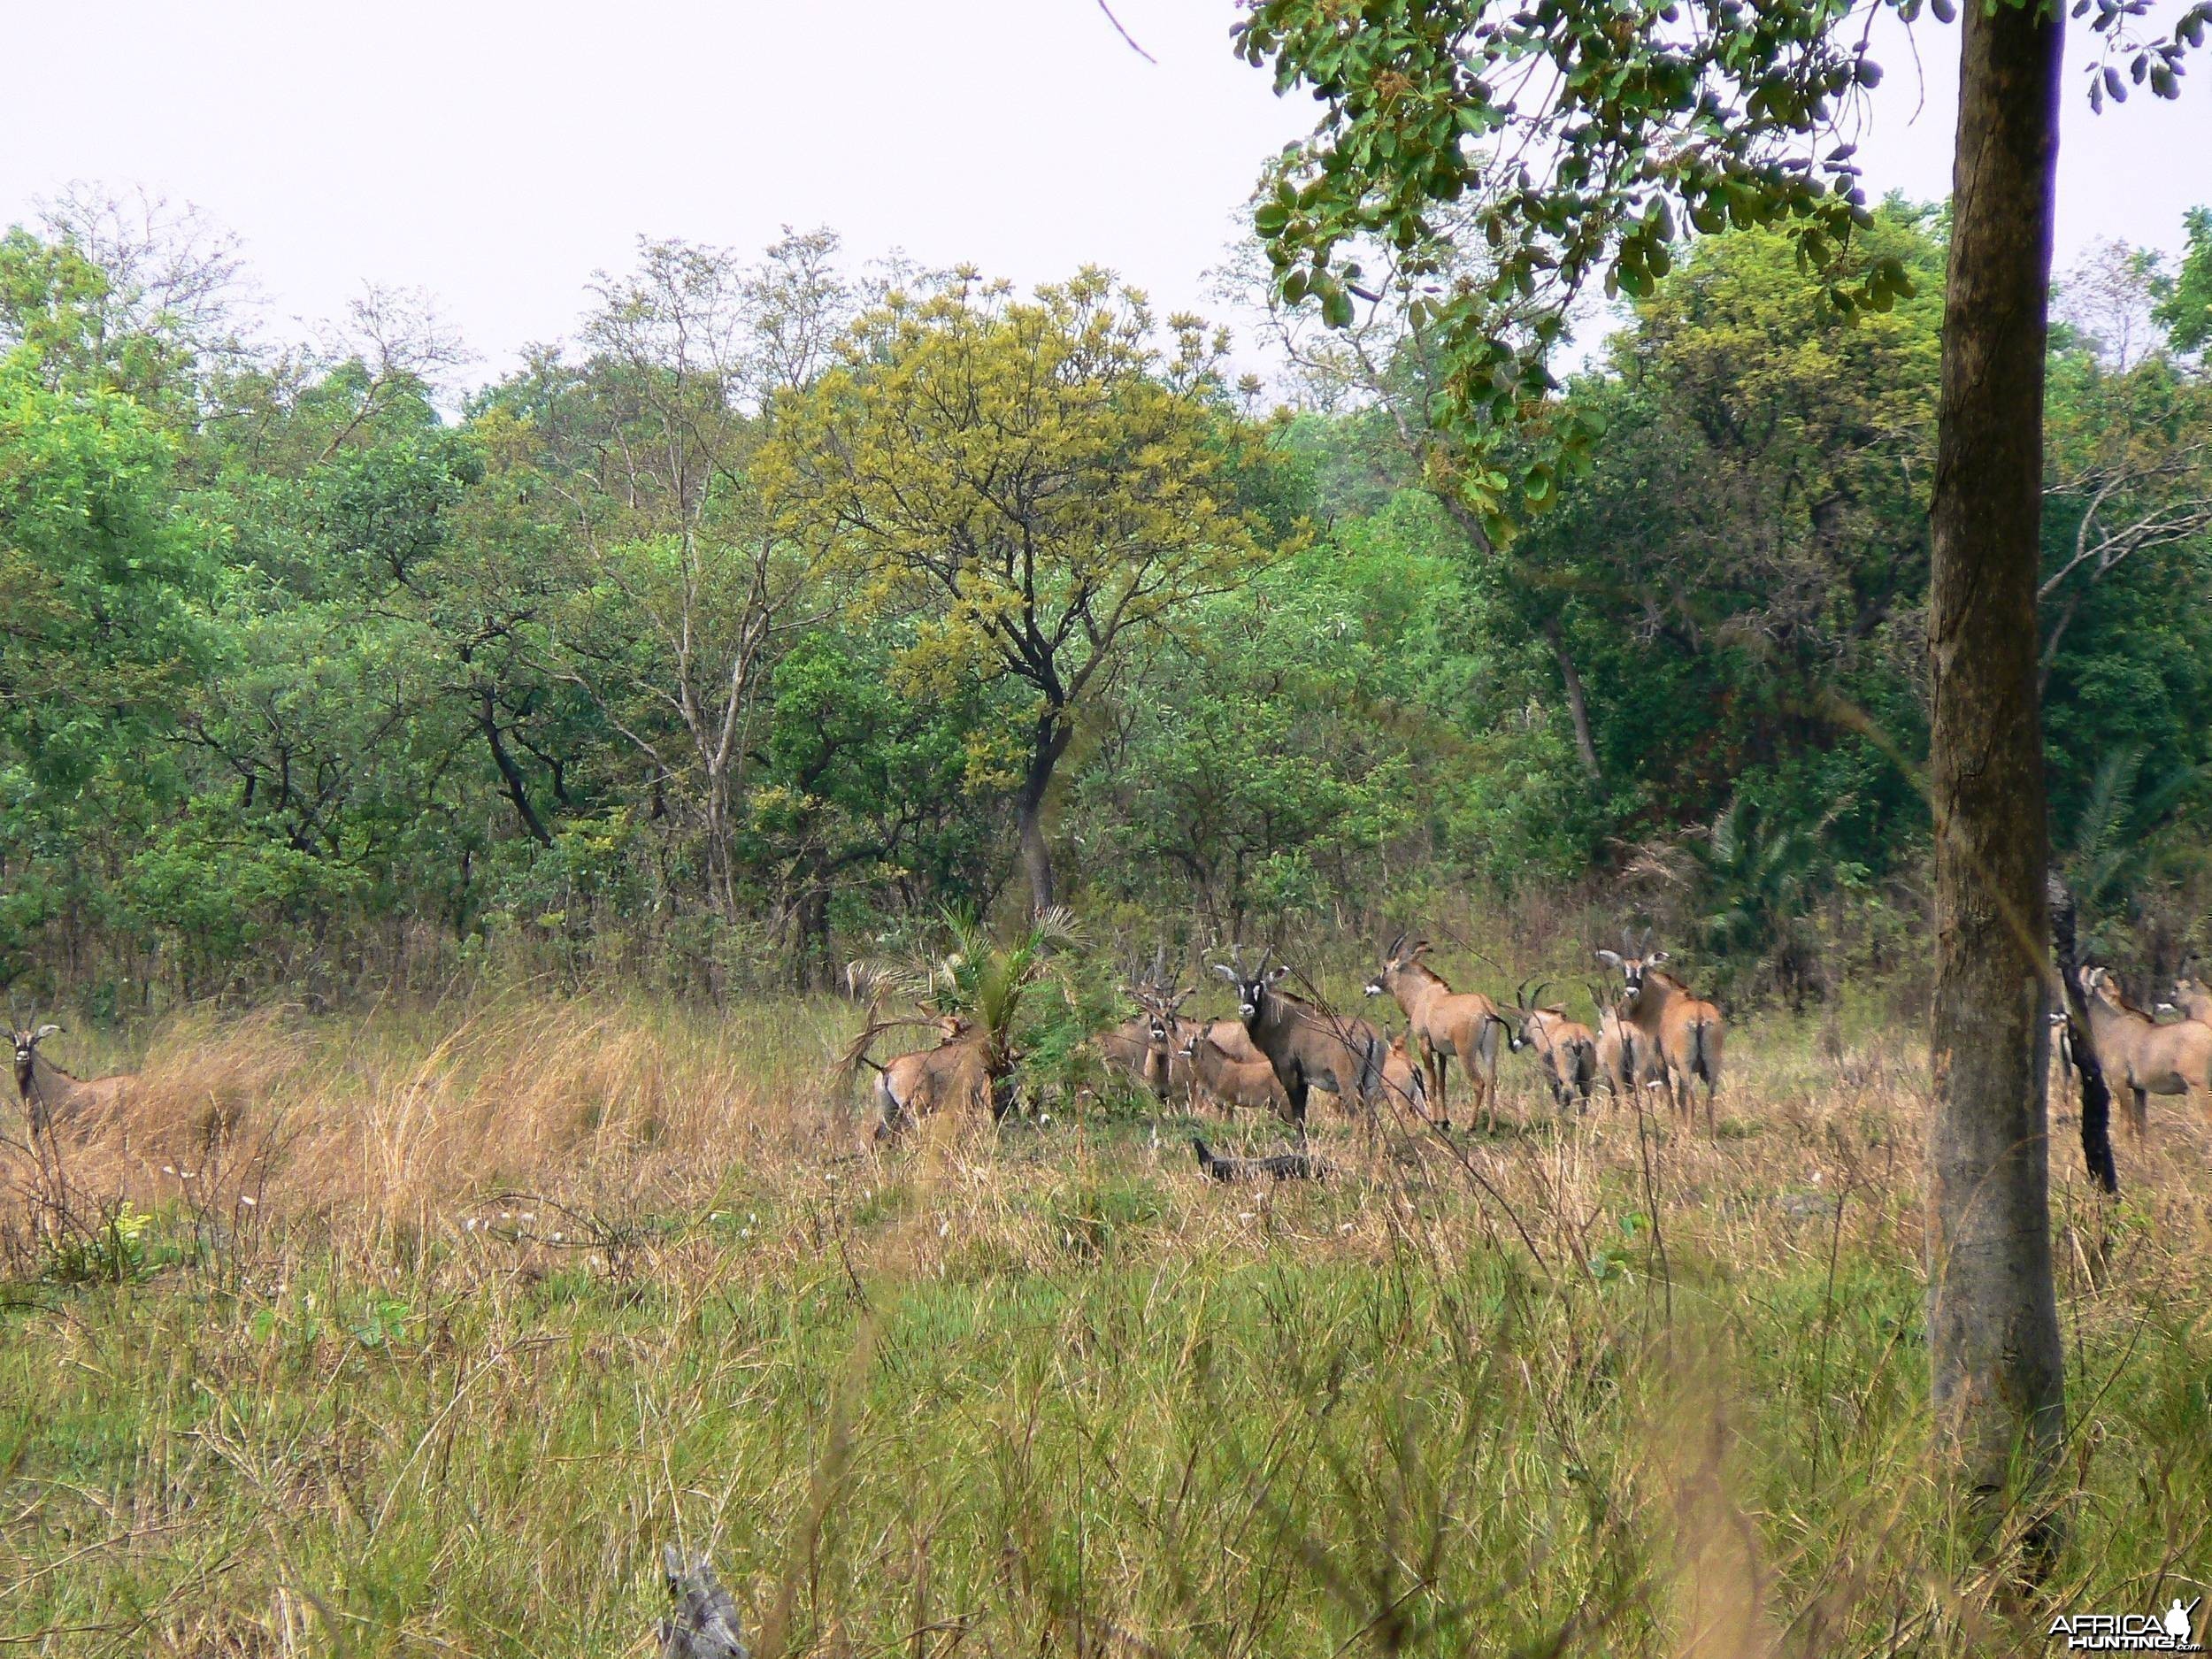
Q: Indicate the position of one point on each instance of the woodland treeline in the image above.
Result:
(797, 601)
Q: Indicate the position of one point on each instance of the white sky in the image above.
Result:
(496, 152)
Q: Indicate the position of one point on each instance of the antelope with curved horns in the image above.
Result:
(1446, 1025)
(1565, 1049)
(1309, 1046)
(51, 1095)
(1685, 1030)
(2138, 1053)
(1144, 1046)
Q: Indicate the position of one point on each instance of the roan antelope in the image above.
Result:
(1684, 1031)
(1566, 1050)
(1402, 1081)
(956, 1073)
(2192, 1000)
(51, 1095)
(1626, 1064)
(2136, 1052)
(1444, 1023)
(1309, 1047)
(1236, 1084)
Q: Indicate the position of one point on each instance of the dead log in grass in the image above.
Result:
(1283, 1166)
(704, 1625)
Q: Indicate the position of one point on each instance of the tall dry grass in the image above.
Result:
(528, 1285)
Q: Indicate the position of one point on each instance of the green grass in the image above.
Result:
(1045, 1391)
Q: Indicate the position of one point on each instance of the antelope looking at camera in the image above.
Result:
(1135, 1046)
(1565, 1049)
(1236, 1084)
(2134, 1050)
(1444, 1023)
(1682, 1031)
(1309, 1047)
(956, 1073)
(2191, 999)
(50, 1094)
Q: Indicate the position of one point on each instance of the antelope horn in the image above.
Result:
(1390, 950)
(1537, 996)
(1520, 996)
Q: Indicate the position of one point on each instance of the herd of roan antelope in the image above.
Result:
(1653, 1032)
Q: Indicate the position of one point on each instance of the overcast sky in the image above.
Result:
(496, 153)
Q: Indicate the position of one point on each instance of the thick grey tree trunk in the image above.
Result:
(1992, 1318)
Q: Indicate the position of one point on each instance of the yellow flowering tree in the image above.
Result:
(1029, 488)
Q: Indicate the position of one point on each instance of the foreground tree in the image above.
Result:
(1998, 1370)
(1721, 117)
(1029, 488)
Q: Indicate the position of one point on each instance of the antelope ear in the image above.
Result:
(1420, 947)
(1656, 957)
(1280, 973)
(44, 1032)
(1611, 958)
(1226, 972)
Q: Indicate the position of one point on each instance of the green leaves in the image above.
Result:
(1645, 128)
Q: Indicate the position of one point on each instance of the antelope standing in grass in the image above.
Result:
(956, 1073)
(51, 1095)
(1309, 1047)
(1624, 1065)
(1136, 1046)
(1402, 1080)
(2138, 1053)
(1236, 1084)
(1444, 1023)
(1685, 1032)
(2190, 998)
(1565, 1049)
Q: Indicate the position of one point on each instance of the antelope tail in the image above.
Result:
(1705, 1050)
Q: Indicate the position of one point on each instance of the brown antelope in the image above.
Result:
(956, 1073)
(1565, 1049)
(1684, 1031)
(2192, 1000)
(1309, 1047)
(1236, 1084)
(2139, 1053)
(1624, 1065)
(1403, 1082)
(1146, 1047)
(1445, 1023)
(51, 1095)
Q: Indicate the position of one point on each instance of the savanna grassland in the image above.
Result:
(421, 1330)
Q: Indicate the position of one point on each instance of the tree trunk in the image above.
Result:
(1577, 707)
(1992, 1318)
(1046, 748)
(509, 774)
